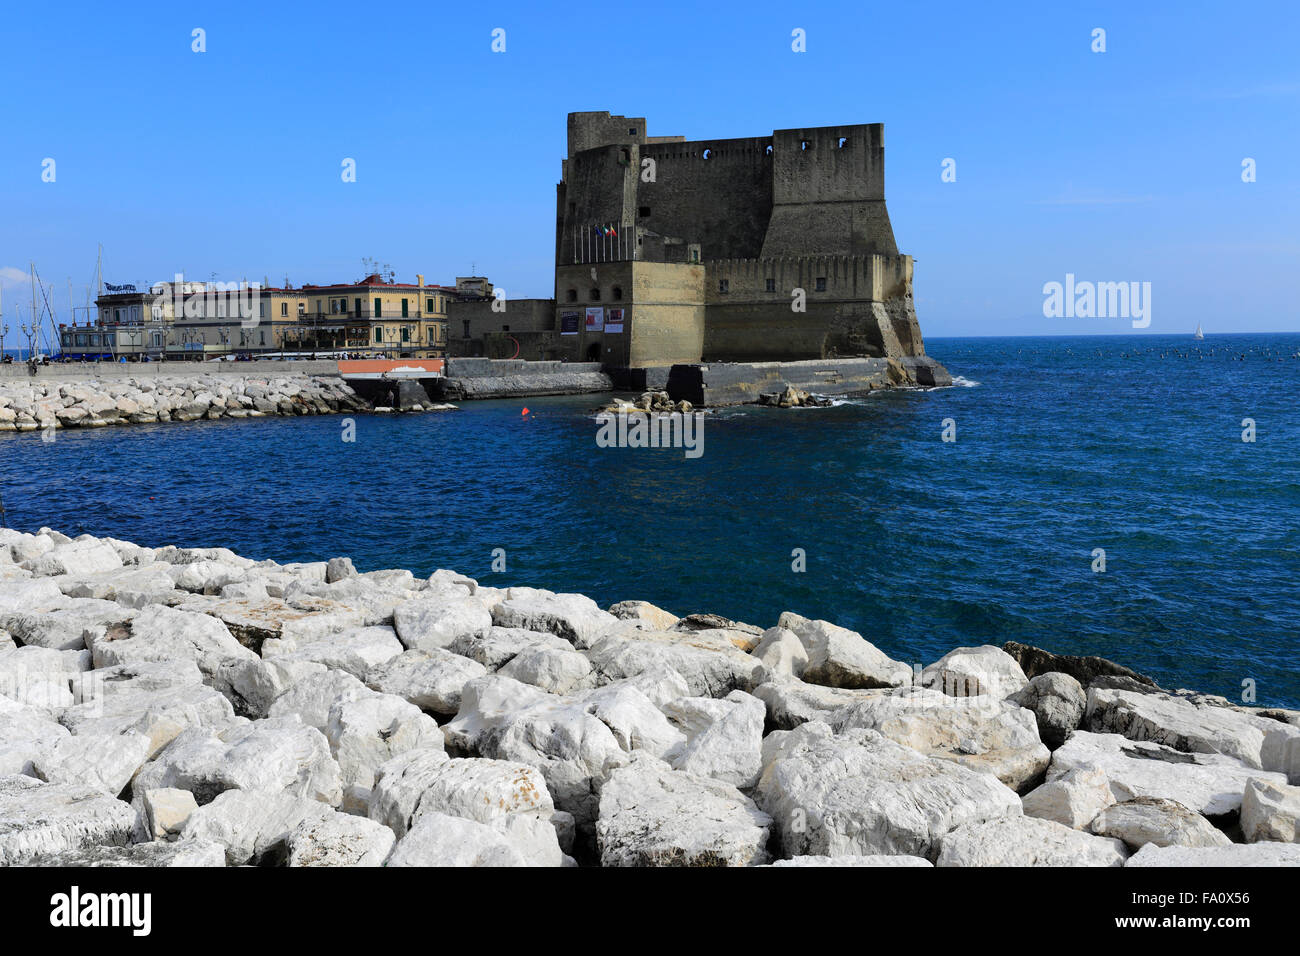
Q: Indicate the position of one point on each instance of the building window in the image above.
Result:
(595, 295)
(284, 308)
(571, 295)
(262, 336)
(406, 333)
(505, 328)
(404, 313)
(805, 144)
(771, 285)
(706, 154)
(643, 212)
(379, 333)
(724, 285)
(261, 310)
(466, 321)
(428, 305)
(357, 305)
(631, 131)
(616, 292)
(821, 283)
(379, 307)
(844, 141)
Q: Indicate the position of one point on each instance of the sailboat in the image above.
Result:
(1198, 334)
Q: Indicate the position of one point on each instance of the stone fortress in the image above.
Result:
(696, 264)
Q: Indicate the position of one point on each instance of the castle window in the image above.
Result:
(631, 131)
(768, 151)
(466, 324)
(844, 141)
(724, 285)
(571, 295)
(643, 212)
(805, 144)
(771, 285)
(625, 157)
(595, 295)
(705, 154)
(505, 328)
(616, 292)
(821, 283)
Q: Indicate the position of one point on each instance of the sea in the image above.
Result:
(1133, 497)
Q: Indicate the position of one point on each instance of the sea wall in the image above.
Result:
(38, 403)
(79, 371)
(190, 706)
(471, 378)
(736, 383)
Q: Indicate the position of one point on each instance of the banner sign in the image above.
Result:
(615, 321)
(569, 323)
(596, 319)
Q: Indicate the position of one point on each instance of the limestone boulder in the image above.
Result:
(104, 763)
(499, 645)
(252, 826)
(63, 628)
(645, 615)
(311, 697)
(790, 702)
(1210, 784)
(1221, 857)
(339, 839)
(859, 793)
(1270, 811)
(781, 653)
(367, 732)
(652, 815)
(439, 840)
(973, 671)
(158, 633)
(877, 860)
(573, 617)
(164, 812)
(276, 754)
(634, 719)
(45, 819)
(353, 650)
(982, 733)
(431, 680)
(26, 734)
(1073, 799)
(76, 558)
(724, 737)
(437, 619)
(554, 670)
(504, 719)
(1144, 820)
(838, 657)
(1026, 841)
(711, 666)
(193, 853)
(1057, 701)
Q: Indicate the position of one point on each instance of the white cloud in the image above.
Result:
(11, 277)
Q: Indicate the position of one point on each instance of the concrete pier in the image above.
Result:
(738, 383)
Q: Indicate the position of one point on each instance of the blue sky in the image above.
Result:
(1115, 166)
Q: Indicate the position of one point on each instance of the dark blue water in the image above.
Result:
(1065, 445)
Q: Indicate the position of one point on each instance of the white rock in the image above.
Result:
(158, 633)
(861, 793)
(339, 839)
(105, 763)
(30, 595)
(651, 815)
(252, 825)
(1058, 702)
(26, 734)
(982, 733)
(311, 698)
(553, 670)
(1152, 820)
(432, 679)
(63, 628)
(1026, 841)
(506, 720)
(711, 666)
(838, 657)
(790, 702)
(399, 785)
(637, 724)
(1256, 741)
(42, 819)
(1237, 854)
(367, 732)
(442, 840)
(499, 645)
(1210, 784)
(724, 738)
(574, 617)
(355, 650)
(1073, 799)
(644, 614)
(191, 853)
(782, 653)
(1270, 811)
(973, 671)
(77, 558)
(276, 754)
(438, 619)
(166, 810)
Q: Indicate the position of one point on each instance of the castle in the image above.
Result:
(771, 248)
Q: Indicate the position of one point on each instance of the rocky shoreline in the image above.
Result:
(192, 707)
(41, 404)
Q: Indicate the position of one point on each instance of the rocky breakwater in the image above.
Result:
(29, 406)
(192, 707)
